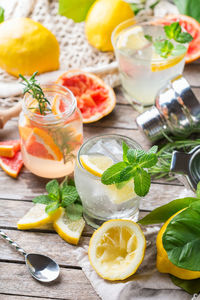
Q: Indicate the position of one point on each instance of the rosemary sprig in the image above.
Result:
(34, 89)
(162, 168)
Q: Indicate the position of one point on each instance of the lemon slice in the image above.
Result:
(160, 63)
(132, 38)
(69, 230)
(117, 249)
(96, 164)
(120, 195)
(37, 217)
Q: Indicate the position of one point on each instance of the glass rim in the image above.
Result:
(60, 90)
(97, 137)
(141, 20)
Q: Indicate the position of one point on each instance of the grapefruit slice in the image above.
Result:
(95, 99)
(42, 145)
(9, 148)
(190, 25)
(12, 165)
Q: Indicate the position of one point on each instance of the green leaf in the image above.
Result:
(128, 173)
(125, 148)
(178, 50)
(75, 10)
(43, 199)
(149, 38)
(190, 286)
(164, 212)
(52, 187)
(173, 30)
(189, 7)
(112, 174)
(135, 8)
(134, 155)
(52, 207)
(153, 149)
(163, 48)
(74, 211)
(181, 239)
(148, 160)
(142, 181)
(1, 14)
(69, 195)
(198, 190)
(184, 37)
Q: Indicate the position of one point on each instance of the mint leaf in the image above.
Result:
(125, 148)
(43, 199)
(178, 50)
(1, 14)
(181, 239)
(75, 10)
(69, 195)
(52, 187)
(153, 149)
(142, 181)
(134, 155)
(190, 286)
(52, 207)
(164, 212)
(148, 37)
(112, 174)
(184, 37)
(128, 173)
(163, 47)
(173, 30)
(74, 211)
(148, 160)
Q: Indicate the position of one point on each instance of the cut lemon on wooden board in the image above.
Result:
(96, 164)
(37, 217)
(117, 249)
(69, 230)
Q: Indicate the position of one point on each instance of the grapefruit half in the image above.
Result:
(193, 27)
(95, 98)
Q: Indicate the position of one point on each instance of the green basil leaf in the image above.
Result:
(112, 174)
(52, 187)
(181, 239)
(52, 207)
(125, 148)
(1, 14)
(142, 181)
(74, 211)
(164, 212)
(190, 286)
(189, 7)
(148, 160)
(43, 199)
(128, 173)
(75, 10)
(69, 195)
(184, 37)
(198, 190)
(153, 149)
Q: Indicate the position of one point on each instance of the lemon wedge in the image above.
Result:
(117, 249)
(96, 164)
(160, 63)
(120, 195)
(132, 38)
(37, 217)
(69, 230)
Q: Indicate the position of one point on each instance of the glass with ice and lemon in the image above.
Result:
(50, 142)
(142, 70)
(103, 202)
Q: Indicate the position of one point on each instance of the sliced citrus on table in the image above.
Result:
(96, 164)
(41, 144)
(12, 165)
(164, 265)
(95, 99)
(37, 217)
(117, 249)
(69, 230)
(190, 25)
(9, 148)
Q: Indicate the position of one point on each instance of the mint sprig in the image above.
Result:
(164, 47)
(64, 195)
(134, 165)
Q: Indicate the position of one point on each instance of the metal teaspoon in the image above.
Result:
(41, 267)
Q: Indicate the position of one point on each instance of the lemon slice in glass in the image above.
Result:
(96, 164)
(132, 38)
(117, 249)
(160, 63)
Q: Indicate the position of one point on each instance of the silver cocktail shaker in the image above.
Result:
(176, 111)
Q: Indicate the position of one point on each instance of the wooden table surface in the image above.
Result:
(15, 201)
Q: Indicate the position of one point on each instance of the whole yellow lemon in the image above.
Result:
(101, 20)
(27, 46)
(164, 265)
